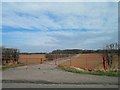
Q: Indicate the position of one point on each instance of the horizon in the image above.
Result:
(44, 27)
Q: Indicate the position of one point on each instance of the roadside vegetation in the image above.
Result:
(7, 66)
(114, 73)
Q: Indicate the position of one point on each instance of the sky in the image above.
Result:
(46, 26)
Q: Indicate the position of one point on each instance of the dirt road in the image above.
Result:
(51, 74)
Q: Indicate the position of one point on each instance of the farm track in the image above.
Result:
(48, 73)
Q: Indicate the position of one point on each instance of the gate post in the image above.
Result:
(40, 60)
(86, 62)
(104, 62)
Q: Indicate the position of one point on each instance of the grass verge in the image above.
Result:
(10, 66)
(97, 72)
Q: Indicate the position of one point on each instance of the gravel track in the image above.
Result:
(51, 74)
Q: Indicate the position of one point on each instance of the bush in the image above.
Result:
(9, 53)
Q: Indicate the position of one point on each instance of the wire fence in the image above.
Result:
(82, 61)
(85, 62)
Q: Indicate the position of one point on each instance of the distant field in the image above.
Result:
(32, 58)
(90, 61)
(83, 61)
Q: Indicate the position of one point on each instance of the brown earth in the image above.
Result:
(90, 62)
(32, 58)
(83, 61)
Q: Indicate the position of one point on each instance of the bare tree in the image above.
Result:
(111, 50)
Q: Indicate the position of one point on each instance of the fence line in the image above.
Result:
(85, 62)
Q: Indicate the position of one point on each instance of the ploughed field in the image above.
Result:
(90, 62)
(83, 61)
(31, 58)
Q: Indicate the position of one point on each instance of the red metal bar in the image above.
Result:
(86, 61)
(40, 60)
(104, 62)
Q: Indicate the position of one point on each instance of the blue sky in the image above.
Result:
(43, 27)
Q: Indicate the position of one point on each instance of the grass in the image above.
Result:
(97, 72)
(10, 66)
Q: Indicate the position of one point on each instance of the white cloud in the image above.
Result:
(67, 20)
(68, 15)
(30, 38)
(58, 40)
